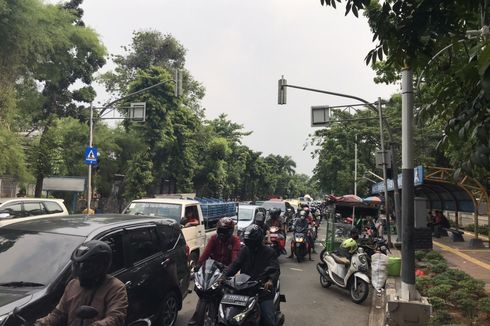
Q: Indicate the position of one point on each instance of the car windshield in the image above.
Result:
(245, 213)
(33, 257)
(172, 211)
(274, 204)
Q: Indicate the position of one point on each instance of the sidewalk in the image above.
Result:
(475, 262)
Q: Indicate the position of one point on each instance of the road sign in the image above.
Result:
(320, 116)
(90, 155)
(137, 111)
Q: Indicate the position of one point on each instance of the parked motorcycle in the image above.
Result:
(240, 303)
(352, 275)
(277, 241)
(208, 287)
(371, 245)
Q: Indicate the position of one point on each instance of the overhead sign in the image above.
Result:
(320, 116)
(418, 179)
(75, 184)
(90, 155)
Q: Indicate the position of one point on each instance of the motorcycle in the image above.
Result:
(208, 287)
(301, 245)
(352, 275)
(83, 313)
(240, 303)
(277, 241)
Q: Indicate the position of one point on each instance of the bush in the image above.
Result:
(432, 256)
(420, 254)
(484, 304)
(459, 295)
(444, 278)
(437, 303)
(438, 267)
(468, 306)
(423, 284)
(482, 229)
(457, 274)
(440, 318)
(440, 291)
(474, 287)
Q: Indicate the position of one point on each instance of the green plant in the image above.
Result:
(482, 229)
(459, 295)
(433, 255)
(444, 278)
(473, 287)
(438, 267)
(423, 284)
(420, 254)
(484, 304)
(468, 306)
(440, 291)
(440, 318)
(456, 274)
(437, 302)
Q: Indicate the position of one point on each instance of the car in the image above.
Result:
(14, 210)
(246, 216)
(149, 257)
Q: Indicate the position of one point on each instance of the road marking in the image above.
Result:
(295, 269)
(462, 255)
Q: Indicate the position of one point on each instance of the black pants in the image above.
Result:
(267, 313)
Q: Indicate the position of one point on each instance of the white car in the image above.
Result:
(14, 210)
(246, 215)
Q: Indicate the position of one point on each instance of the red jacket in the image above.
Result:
(223, 251)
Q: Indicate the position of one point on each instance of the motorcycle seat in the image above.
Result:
(340, 259)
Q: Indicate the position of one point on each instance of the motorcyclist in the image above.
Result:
(302, 223)
(222, 247)
(253, 259)
(349, 246)
(275, 220)
(91, 286)
(260, 221)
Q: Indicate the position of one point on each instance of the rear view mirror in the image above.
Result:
(183, 221)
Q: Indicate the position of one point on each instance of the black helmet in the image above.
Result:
(259, 219)
(354, 234)
(225, 227)
(91, 262)
(275, 212)
(253, 236)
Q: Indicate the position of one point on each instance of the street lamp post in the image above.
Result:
(282, 100)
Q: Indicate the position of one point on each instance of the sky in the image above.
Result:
(239, 49)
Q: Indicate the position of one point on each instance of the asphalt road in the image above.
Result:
(307, 303)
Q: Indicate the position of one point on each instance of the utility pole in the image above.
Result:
(90, 143)
(355, 178)
(384, 163)
(408, 194)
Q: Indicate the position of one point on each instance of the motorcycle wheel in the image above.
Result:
(324, 282)
(209, 315)
(361, 293)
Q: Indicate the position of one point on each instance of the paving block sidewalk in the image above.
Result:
(475, 262)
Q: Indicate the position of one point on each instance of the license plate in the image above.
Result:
(235, 300)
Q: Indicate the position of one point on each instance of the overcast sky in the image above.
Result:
(239, 49)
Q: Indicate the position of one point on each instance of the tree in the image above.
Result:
(409, 34)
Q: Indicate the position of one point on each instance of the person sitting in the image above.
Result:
(275, 220)
(91, 286)
(190, 219)
(222, 247)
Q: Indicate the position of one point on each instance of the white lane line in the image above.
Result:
(295, 269)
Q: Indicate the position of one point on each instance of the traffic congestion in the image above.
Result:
(138, 267)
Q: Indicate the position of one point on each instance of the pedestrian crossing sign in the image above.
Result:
(91, 155)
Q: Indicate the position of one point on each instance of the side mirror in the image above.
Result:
(86, 312)
(183, 221)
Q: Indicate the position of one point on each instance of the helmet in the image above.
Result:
(225, 227)
(91, 262)
(354, 234)
(350, 245)
(260, 219)
(253, 236)
(302, 215)
(275, 212)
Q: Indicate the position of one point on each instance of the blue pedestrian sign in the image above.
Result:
(90, 155)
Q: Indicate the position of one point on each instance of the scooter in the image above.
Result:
(277, 241)
(240, 303)
(352, 275)
(208, 287)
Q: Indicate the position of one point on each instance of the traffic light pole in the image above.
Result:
(282, 100)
